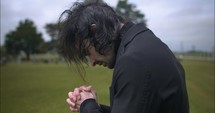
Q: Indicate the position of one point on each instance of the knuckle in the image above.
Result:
(69, 94)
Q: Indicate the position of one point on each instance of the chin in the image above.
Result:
(111, 63)
(111, 66)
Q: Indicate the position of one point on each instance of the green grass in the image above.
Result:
(43, 88)
(200, 84)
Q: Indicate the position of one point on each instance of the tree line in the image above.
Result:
(26, 38)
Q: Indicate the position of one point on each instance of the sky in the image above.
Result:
(182, 24)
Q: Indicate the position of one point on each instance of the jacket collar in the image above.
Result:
(125, 28)
(128, 33)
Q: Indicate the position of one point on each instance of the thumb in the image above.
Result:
(86, 88)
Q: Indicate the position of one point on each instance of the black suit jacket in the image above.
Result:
(147, 77)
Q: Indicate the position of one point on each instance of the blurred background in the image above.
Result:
(35, 78)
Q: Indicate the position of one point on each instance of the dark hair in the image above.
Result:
(76, 27)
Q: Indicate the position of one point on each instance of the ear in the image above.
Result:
(93, 27)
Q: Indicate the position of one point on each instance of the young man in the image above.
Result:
(147, 77)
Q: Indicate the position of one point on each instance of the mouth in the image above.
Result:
(105, 65)
(101, 63)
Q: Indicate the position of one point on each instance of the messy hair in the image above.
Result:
(75, 27)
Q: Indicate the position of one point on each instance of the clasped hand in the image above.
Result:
(78, 96)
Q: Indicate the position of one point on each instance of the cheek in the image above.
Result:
(95, 56)
(108, 58)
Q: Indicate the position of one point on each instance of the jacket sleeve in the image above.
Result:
(105, 109)
(91, 106)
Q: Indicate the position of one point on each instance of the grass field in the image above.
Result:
(43, 88)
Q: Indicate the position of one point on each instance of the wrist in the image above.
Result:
(89, 104)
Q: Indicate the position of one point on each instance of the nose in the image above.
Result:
(91, 61)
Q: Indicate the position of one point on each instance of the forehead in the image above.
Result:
(84, 47)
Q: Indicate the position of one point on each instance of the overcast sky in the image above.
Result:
(181, 24)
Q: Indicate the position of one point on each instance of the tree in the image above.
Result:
(24, 38)
(129, 11)
(2, 53)
(52, 30)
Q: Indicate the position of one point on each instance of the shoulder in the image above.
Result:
(127, 60)
(129, 71)
(129, 66)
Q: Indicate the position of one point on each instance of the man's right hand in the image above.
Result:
(78, 96)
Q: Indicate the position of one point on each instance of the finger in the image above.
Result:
(86, 88)
(72, 97)
(78, 106)
(71, 104)
(78, 103)
(74, 109)
(78, 97)
(70, 94)
(94, 94)
(76, 92)
(84, 96)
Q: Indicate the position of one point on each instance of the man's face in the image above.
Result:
(94, 57)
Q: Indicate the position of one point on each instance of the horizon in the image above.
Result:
(183, 25)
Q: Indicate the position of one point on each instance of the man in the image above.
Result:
(147, 77)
